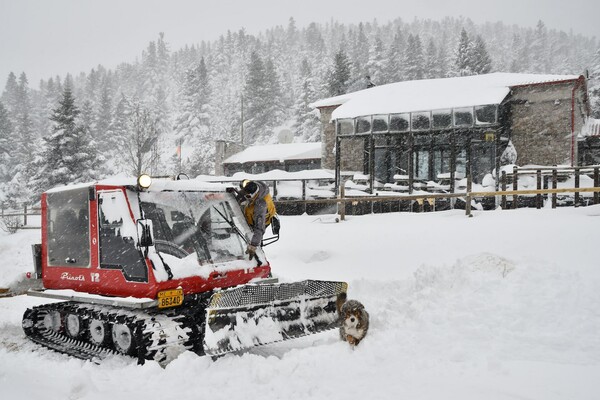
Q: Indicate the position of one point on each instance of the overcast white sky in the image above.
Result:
(45, 38)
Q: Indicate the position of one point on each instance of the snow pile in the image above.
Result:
(500, 306)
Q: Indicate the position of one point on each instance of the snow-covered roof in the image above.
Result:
(277, 152)
(158, 184)
(274, 175)
(433, 94)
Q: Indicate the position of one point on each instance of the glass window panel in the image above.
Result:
(399, 122)
(463, 116)
(380, 123)
(442, 119)
(420, 121)
(68, 228)
(363, 125)
(421, 164)
(345, 127)
(485, 115)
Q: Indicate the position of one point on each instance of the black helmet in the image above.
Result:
(248, 188)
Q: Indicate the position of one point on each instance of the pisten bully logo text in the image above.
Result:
(69, 277)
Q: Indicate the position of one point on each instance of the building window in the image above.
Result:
(363, 125)
(399, 122)
(463, 116)
(442, 119)
(485, 115)
(380, 123)
(420, 121)
(345, 127)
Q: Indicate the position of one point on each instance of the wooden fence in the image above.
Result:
(26, 212)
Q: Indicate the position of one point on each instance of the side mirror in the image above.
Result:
(275, 224)
(144, 233)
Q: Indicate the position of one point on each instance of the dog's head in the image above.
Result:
(351, 314)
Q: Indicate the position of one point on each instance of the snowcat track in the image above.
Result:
(158, 336)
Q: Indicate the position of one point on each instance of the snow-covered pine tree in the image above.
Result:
(192, 126)
(258, 102)
(463, 56)
(6, 143)
(482, 63)
(10, 97)
(539, 49)
(394, 62)
(376, 64)
(413, 58)
(66, 156)
(340, 75)
(431, 69)
(306, 127)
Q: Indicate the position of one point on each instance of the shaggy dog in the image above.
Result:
(354, 320)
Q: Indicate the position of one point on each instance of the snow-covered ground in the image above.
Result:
(505, 305)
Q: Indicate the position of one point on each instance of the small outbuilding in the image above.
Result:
(289, 157)
(455, 126)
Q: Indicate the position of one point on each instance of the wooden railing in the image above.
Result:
(20, 217)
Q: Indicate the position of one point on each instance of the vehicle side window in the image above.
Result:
(118, 237)
(68, 228)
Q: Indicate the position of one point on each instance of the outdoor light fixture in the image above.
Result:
(144, 181)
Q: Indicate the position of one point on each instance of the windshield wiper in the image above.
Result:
(237, 230)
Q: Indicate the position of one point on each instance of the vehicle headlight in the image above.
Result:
(144, 181)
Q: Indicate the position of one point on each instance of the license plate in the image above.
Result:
(170, 298)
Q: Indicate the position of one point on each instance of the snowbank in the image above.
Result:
(500, 306)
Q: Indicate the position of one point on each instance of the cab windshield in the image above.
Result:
(195, 223)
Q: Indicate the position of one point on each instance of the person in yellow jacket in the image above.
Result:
(259, 210)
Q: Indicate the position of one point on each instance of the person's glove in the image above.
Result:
(251, 251)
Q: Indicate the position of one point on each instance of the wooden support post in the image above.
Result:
(25, 214)
(554, 185)
(515, 187)
(596, 184)
(274, 190)
(503, 187)
(304, 193)
(468, 200)
(538, 197)
(577, 186)
(342, 204)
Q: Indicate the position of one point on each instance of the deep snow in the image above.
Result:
(504, 305)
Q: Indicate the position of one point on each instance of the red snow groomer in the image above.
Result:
(153, 268)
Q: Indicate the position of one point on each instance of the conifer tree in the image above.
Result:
(307, 121)
(463, 61)
(339, 77)
(6, 143)
(10, 96)
(67, 156)
(482, 63)
(376, 64)
(431, 69)
(414, 58)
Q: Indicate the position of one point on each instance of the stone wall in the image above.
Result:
(541, 123)
(352, 148)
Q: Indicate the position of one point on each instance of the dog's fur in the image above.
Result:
(354, 320)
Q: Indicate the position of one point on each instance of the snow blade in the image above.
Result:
(254, 315)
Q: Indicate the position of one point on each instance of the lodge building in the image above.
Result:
(456, 126)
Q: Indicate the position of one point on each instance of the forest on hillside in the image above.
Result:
(161, 113)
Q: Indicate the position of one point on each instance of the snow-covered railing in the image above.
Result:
(13, 219)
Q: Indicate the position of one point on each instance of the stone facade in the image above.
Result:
(540, 123)
(353, 157)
